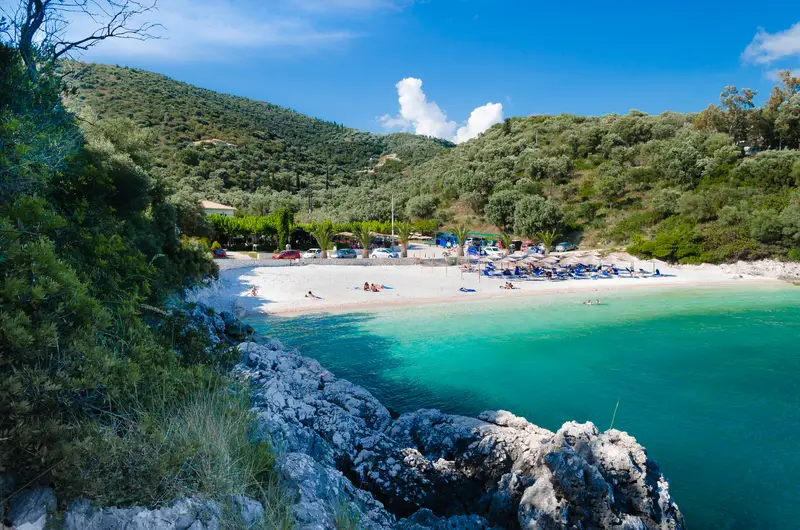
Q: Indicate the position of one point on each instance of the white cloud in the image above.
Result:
(479, 120)
(766, 48)
(217, 30)
(425, 117)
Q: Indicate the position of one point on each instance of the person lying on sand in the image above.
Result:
(254, 291)
(366, 286)
(373, 288)
(309, 294)
(465, 290)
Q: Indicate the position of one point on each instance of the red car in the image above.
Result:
(287, 254)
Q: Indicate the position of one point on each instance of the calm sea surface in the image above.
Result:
(708, 380)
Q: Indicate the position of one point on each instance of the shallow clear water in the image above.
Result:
(707, 379)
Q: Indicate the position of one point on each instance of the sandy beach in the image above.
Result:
(283, 290)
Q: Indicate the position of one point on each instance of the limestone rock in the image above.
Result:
(440, 470)
(28, 509)
(322, 492)
(182, 514)
(425, 519)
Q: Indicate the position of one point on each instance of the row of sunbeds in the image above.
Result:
(580, 272)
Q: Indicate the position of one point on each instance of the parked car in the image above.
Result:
(312, 253)
(383, 253)
(534, 251)
(287, 254)
(343, 253)
(219, 253)
(564, 246)
(473, 250)
(494, 252)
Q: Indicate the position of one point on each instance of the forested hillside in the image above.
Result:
(716, 185)
(253, 155)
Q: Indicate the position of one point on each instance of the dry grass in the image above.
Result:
(212, 436)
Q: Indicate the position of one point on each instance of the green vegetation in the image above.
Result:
(721, 184)
(404, 231)
(363, 235)
(252, 155)
(105, 395)
(323, 233)
(462, 233)
(716, 186)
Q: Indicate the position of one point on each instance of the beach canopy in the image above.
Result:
(572, 260)
(549, 260)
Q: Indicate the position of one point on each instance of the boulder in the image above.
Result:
(182, 514)
(28, 509)
(323, 494)
(424, 519)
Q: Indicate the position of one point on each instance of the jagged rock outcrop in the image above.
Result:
(438, 470)
(342, 454)
(29, 510)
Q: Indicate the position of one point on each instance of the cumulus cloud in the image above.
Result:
(216, 30)
(421, 116)
(479, 120)
(766, 48)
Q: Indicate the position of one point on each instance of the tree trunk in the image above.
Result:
(324, 253)
(365, 252)
(404, 251)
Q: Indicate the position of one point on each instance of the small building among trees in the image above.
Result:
(211, 208)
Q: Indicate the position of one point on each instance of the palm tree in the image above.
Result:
(462, 233)
(323, 233)
(506, 239)
(363, 235)
(403, 234)
(547, 237)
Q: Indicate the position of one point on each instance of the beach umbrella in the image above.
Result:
(549, 260)
(572, 260)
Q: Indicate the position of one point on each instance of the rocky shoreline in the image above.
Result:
(427, 469)
(338, 448)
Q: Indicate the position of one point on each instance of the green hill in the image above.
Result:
(250, 154)
(716, 185)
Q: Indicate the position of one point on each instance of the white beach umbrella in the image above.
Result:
(549, 260)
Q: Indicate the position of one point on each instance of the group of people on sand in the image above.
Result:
(509, 285)
(373, 288)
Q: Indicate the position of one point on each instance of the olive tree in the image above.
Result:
(534, 214)
(499, 209)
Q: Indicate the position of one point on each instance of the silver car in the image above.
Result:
(343, 253)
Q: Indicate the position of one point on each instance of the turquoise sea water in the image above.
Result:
(707, 379)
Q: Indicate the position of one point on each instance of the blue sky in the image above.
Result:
(342, 60)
